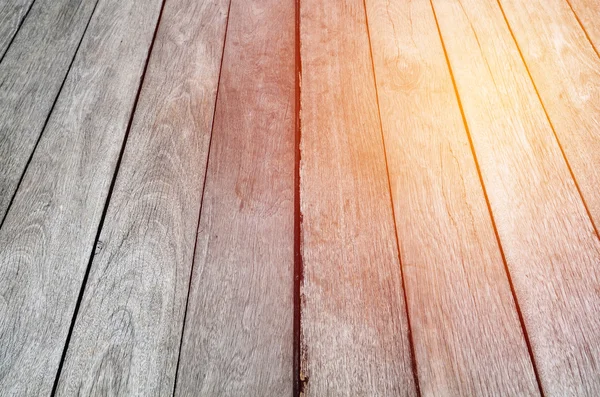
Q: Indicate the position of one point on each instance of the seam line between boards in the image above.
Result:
(562, 151)
(585, 32)
(106, 205)
(487, 201)
(413, 357)
(50, 111)
(210, 142)
(17, 31)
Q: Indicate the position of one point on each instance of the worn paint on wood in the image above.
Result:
(465, 326)
(127, 333)
(238, 337)
(48, 236)
(550, 245)
(354, 326)
(31, 74)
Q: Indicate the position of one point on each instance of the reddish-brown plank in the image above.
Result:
(238, 336)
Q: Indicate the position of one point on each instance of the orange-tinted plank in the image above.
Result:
(354, 327)
(465, 326)
(548, 239)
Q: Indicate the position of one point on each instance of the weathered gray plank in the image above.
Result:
(548, 240)
(48, 236)
(12, 13)
(465, 326)
(127, 333)
(354, 327)
(588, 14)
(31, 74)
(238, 338)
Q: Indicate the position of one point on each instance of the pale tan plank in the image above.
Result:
(466, 330)
(31, 74)
(588, 14)
(354, 325)
(127, 334)
(549, 242)
(238, 337)
(48, 236)
(12, 13)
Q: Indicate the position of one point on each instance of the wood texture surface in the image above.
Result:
(48, 236)
(31, 74)
(354, 326)
(548, 240)
(12, 13)
(127, 333)
(466, 330)
(238, 336)
(588, 14)
(566, 72)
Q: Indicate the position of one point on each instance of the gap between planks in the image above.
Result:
(105, 209)
(47, 117)
(299, 381)
(487, 201)
(14, 33)
(537, 93)
(210, 141)
(411, 342)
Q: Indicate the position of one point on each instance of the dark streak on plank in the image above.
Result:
(31, 75)
(466, 330)
(127, 333)
(354, 326)
(48, 235)
(238, 338)
(549, 242)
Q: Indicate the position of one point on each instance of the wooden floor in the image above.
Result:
(299, 197)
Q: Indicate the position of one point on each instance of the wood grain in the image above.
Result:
(466, 330)
(548, 240)
(48, 236)
(588, 13)
(12, 13)
(238, 338)
(566, 72)
(31, 74)
(127, 334)
(354, 325)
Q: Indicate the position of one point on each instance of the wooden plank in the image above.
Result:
(548, 239)
(588, 13)
(127, 333)
(354, 326)
(566, 72)
(465, 326)
(31, 74)
(48, 236)
(12, 13)
(238, 337)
